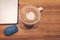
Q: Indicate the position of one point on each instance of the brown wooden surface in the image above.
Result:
(47, 29)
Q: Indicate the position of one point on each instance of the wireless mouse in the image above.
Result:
(10, 30)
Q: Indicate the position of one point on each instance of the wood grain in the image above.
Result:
(47, 29)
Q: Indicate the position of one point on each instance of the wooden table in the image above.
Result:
(47, 29)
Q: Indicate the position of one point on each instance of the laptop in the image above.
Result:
(8, 11)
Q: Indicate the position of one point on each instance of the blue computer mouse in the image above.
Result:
(10, 30)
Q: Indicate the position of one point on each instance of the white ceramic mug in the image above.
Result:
(30, 15)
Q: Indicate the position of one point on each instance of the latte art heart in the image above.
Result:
(30, 16)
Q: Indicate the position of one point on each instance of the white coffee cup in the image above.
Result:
(30, 15)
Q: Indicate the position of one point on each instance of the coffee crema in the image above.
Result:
(30, 15)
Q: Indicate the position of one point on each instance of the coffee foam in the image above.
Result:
(30, 16)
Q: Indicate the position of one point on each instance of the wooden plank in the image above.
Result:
(47, 29)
